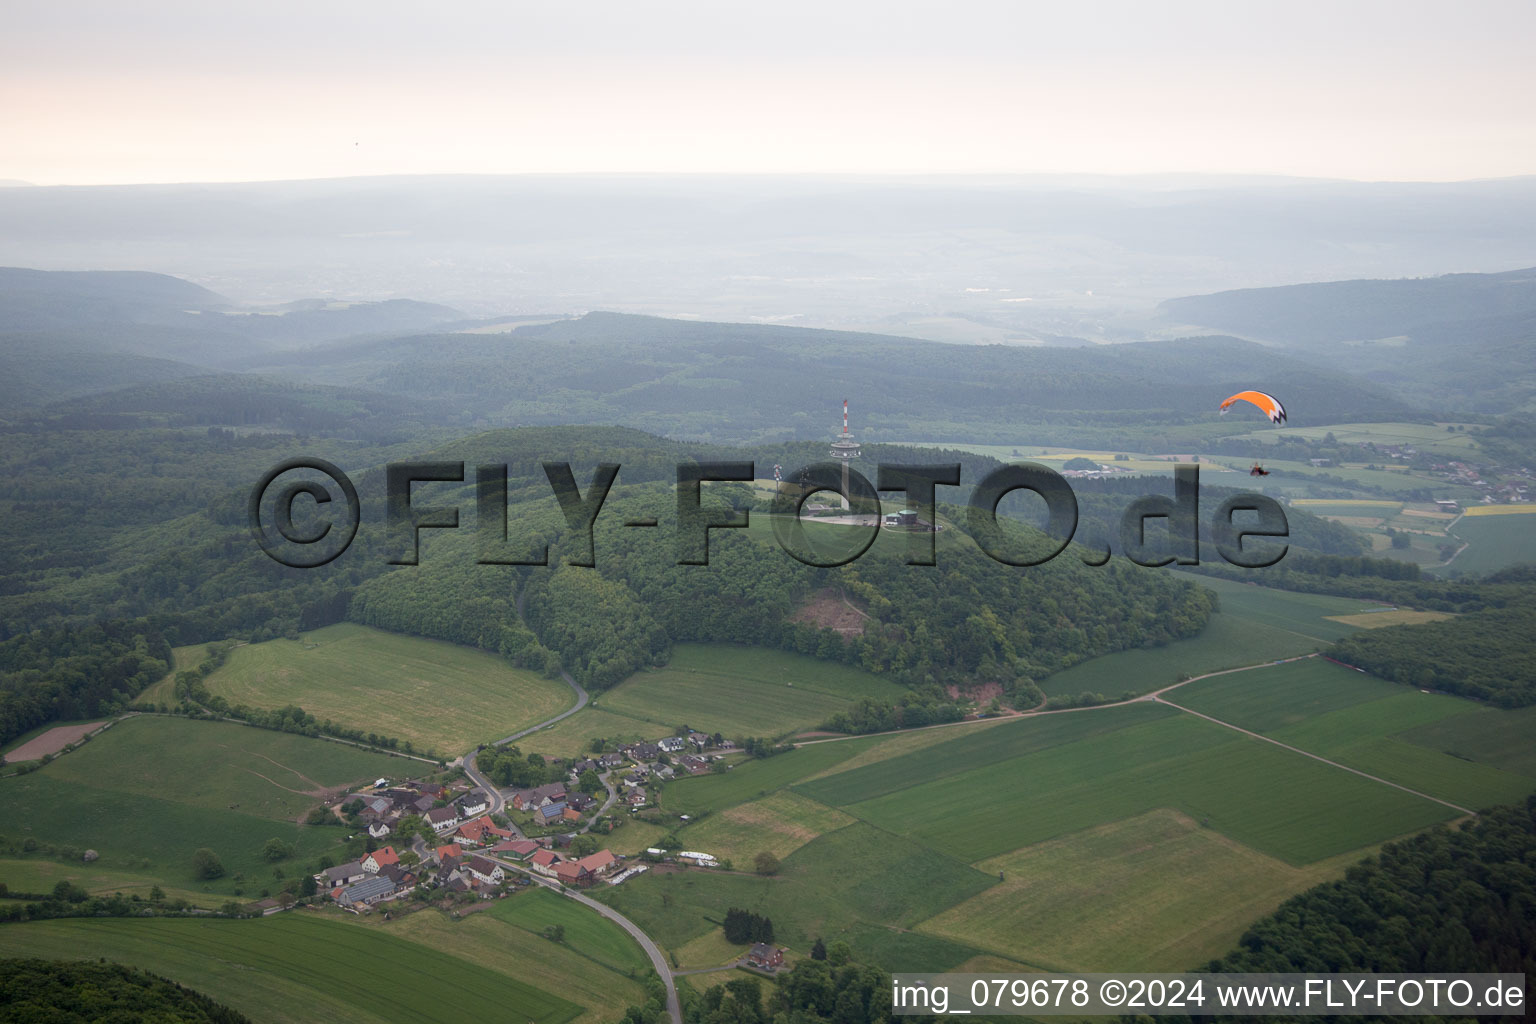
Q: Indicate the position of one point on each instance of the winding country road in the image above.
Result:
(498, 803)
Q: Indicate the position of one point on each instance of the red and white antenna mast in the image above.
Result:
(845, 415)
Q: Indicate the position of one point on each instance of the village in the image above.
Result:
(467, 836)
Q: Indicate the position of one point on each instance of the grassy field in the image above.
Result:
(742, 691)
(779, 824)
(1504, 739)
(592, 935)
(183, 659)
(964, 752)
(298, 968)
(1276, 801)
(574, 735)
(1494, 542)
(757, 778)
(1356, 719)
(1268, 698)
(852, 877)
(1255, 624)
(256, 771)
(588, 966)
(1393, 617)
(149, 791)
(440, 696)
(35, 874)
(1365, 737)
(1151, 893)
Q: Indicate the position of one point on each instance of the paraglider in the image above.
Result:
(1269, 405)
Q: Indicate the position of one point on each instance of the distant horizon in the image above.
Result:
(1167, 178)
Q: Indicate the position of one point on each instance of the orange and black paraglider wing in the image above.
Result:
(1267, 403)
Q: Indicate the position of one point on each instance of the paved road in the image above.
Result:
(498, 802)
(658, 959)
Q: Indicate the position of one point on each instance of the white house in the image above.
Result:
(443, 819)
(485, 871)
(475, 803)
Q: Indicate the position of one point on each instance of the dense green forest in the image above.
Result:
(65, 992)
(76, 673)
(164, 554)
(833, 989)
(968, 618)
(1460, 342)
(1486, 655)
(744, 383)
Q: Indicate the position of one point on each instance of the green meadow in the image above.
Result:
(149, 791)
(1360, 721)
(742, 691)
(854, 877)
(1254, 624)
(442, 697)
(1156, 892)
(1494, 542)
(298, 967)
(1504, 739)
(1279, 802)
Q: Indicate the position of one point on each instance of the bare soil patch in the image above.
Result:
(51, 742)
(828, 608)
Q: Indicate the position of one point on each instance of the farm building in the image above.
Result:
(366, 892)
(766, 957)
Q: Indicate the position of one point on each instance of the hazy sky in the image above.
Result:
(95, 92)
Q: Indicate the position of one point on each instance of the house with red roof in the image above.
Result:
(381, 858)
(545, 861)
(599, 864)
(448, 852)
(572, 873)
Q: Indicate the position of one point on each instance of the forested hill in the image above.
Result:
(969, 618)
(1460, 344)
(736, 383)
(1336, 311)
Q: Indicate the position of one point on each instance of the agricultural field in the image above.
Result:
(149, 791)
(51, 738)
(1265, 699)
(742, 691)
(855, 876)
(1387, 480)
(1151, 893)
(1390, 617)
(440, 696)
(1278, 802)
(759, 777)
(298, 967)
(1494, 541)
(779, 824)
(1503, 739)
(1254, 624)
(1358, 720)
(1423, 436)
